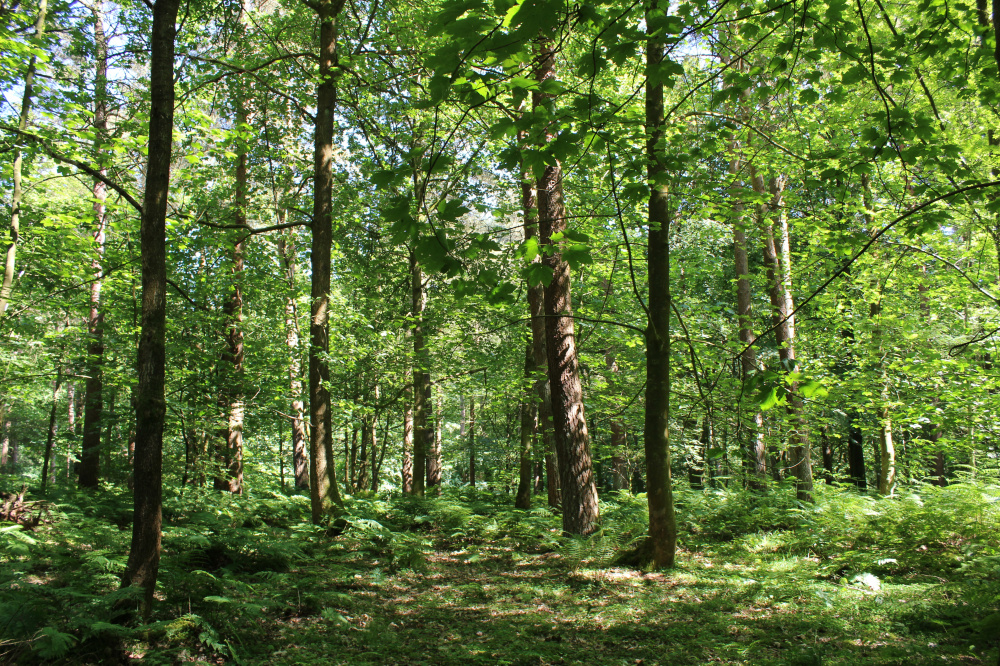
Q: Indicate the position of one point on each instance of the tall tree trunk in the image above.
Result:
(423, 431)
(528, 422)
(232, 357)
(323, 491)
(367, 449)
(536, 308)
(434, 454)
(472, 442)
(756, 450)
(619, 473)
(90, 456)
(886, 453)
(300, 459)
(51, 432)
(856, 451)
(18, 194)
(579, 493)
(144, 553)
(377, 464)
(779, 281)
(662, 541)
(71, 427)
(407, 465)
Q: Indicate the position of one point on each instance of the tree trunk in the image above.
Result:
(528, 426)
(407, 467)
(756, 450)
(144, 553)
(662, 541)
(51, 433)
(856, 452)
(579, 493)
(323, 491)
(827, 454)
(300, 459)
(472, 442)
(779, 282)
(232, 357)
(434, 455)
(367, 448)
(423, 432)
(71, 426)
(90, 456)
(15, 204)
(5, 443)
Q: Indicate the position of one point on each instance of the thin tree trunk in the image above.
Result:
(434, 455)
(5, 443)
(367, 445)
(619, 473)
(827, 454)
(407, 467)
(579, 493)
(756, 449)
(662, 541)
(232, 357)
(323, 490)
(472, 442)
(377, 465)
(886, 453)
(51, 433)
(15, 205)
(300, 459)
(779, 280)
(90, 456)
(856, 451)
(423, 432)
(528, 427)
(71, 429)
(144, 553)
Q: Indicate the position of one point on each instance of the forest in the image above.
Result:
(509, 332)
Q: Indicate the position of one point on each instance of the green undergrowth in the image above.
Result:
(464, 578)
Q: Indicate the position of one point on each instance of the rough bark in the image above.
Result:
(144, 553)
(90, 455)
(5, 443)
(662, 541)
(18, 194)
(579, 493)
(323, 491)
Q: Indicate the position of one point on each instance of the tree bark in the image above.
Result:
(144, 553)
(579, 493)
(423, 432)
(856, 452)
(15, 204)
(323, 491)
(51, 432)
(472, 442)
(662, 541)
(528, 426)
(407, 466)
(232, 357)
(300, 459)
(779, 282)
(434, 454)
(5, 442)
(90, 456)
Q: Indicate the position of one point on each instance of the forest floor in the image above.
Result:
(466, 580)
